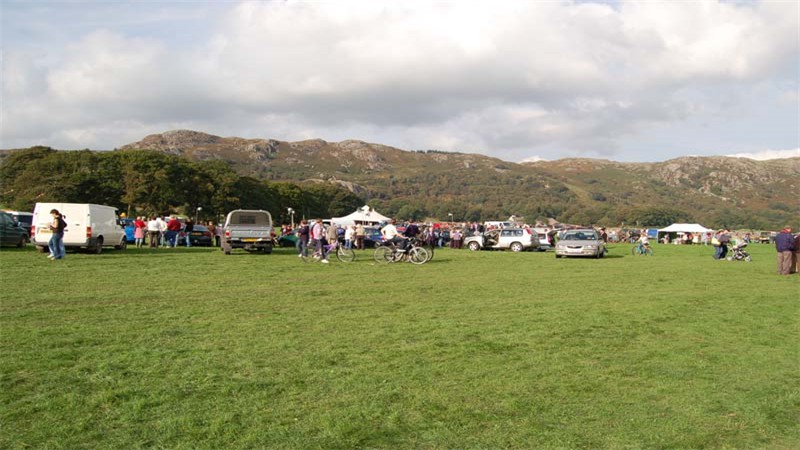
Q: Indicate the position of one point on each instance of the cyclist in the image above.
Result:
(644, 242)
(390, 234)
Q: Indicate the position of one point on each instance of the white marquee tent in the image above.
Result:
(365, 215)
(685, 228)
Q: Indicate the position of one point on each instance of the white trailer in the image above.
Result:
(89, 226)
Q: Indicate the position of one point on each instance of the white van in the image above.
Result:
(88, 226)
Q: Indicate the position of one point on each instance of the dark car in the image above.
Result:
(11, 233)
(24, 220)
(372, 237)
(199, 236)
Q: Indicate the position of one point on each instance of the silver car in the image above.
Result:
(580, 242)
(516, 239)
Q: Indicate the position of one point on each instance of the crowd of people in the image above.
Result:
(165, 232)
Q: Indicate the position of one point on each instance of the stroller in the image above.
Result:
(738, 253)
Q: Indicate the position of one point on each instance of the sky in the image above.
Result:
(630, 81)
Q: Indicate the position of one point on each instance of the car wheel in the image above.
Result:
(22, 242)
(516, 247)
(558, 256)
(474, 246)
(41, 249)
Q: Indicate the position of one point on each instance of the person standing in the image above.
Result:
(153, 232)
(162, 231)
(173, 229)
(316, 235)
(724, 240)
(188, 227)
(302, 239)
(56, 243)
(784, 244)
(213, 230)
(349, 233)
(360, 233)
(139, 228)
(797, 253)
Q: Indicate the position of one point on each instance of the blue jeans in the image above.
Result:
(302, 247)
(171, 237)
(56, 246)
(188, 242)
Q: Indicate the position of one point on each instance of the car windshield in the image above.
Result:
(580, 236)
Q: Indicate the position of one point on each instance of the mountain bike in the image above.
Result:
(640, 249)
(342, 254)
(390, 253)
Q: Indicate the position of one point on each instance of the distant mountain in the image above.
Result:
(713, 190)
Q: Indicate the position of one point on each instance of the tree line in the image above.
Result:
(144, 182)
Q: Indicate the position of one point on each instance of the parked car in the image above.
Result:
(288, 240)
(544, 239)
(129, 229)
(250, 230)
(11, 233)
(515, 239)
(372, 237)
(24, 220)
(199, 236)
(580, 242)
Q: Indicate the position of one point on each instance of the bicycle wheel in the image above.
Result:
(418, 255)
(635, 250)
(345, 255)
(383, 254)
(648, 251)
(429, 249)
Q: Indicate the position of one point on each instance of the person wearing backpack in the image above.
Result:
(56, 243)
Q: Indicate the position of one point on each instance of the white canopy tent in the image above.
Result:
(685, 228)
(364, 215)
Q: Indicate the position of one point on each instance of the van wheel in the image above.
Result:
(122, 245)
(98, 248)
(23, 241)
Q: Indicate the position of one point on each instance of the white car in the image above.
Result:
(516, 239)
(580, 242)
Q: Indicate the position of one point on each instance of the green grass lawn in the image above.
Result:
(188, 348)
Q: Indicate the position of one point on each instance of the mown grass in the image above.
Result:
(193, 349)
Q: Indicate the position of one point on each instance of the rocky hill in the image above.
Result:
(470, 185)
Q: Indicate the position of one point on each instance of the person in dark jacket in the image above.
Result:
(302, 239)
(188, 227)
(784, 244)
(796, 257)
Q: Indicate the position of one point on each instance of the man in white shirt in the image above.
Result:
(162, 228)
(153, 232)
(390, 234)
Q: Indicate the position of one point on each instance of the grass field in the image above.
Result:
(188, 348)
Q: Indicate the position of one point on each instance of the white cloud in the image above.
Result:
(507, 79)
(768, 154)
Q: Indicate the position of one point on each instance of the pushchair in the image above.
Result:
(738, 253)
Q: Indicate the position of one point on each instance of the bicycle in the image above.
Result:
(640, 249)
(389, 253)
(342, 254)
